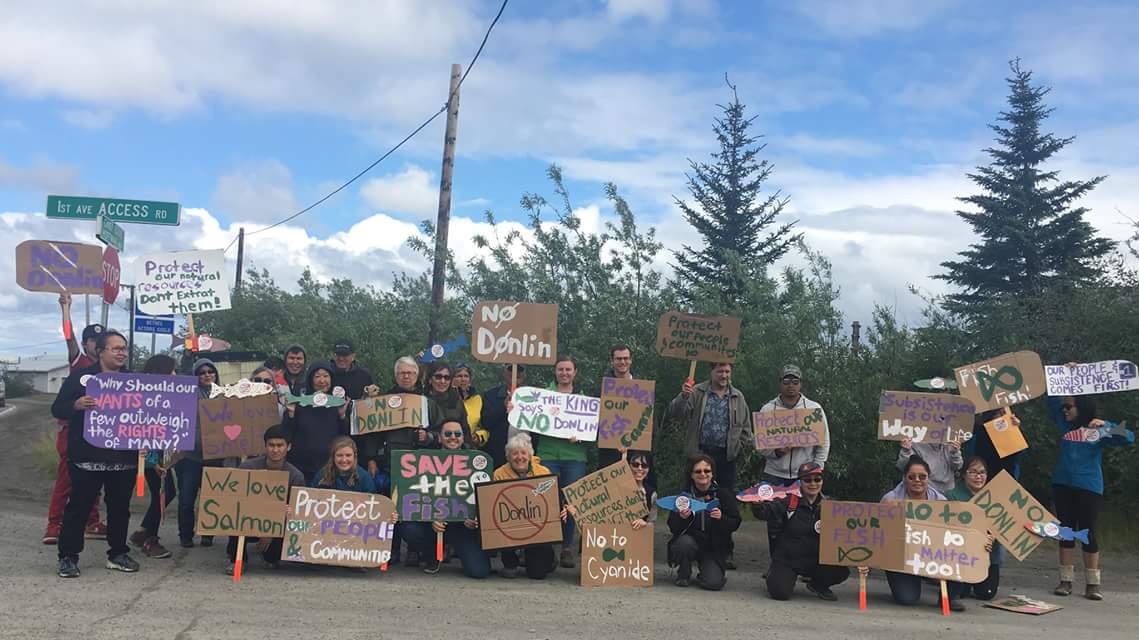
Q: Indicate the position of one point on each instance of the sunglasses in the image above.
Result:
(638, 465)
(265, 380)
(452, 434)
(701, 472)
(812, 479)
(1067, 407)
(915, 476)
(790, 381)
(440, 376)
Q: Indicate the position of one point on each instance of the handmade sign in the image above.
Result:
(141, 411)
(242, 502)
(516, 513)
(935, 418)
(318, 399)
(616, 555)
(235, 427)
(684, 502)
(59, 267)
(949, 513)
(1108, 376)
(946, 552)
(438, 485)
(437, 351)
(1008, 508)
(696, 337)
(182, 282)
(342, 528)
(863, 534)
(388, 413)
(789, 428)
(766, 492)
(1023, 604)
(1056, 531)
(550, 413)
(1089, 434)
(515, 332)
(1003, 381)
(1005, 435)
(626, 418)
(606, 496)
(243, 388)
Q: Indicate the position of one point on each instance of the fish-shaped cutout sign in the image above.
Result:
(1056, 531)
(1088, 434)
(243, 388)
(543, 487)
(766, 492)
(685, 501)
(439, 350)
(318, 399)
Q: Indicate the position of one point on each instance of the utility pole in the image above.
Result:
(130, 343)
(855, 331)
(240, 257)
(443, 223)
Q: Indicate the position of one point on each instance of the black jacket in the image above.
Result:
(378, 446)
(452, 407)
(793, 528)
(312, 429)
(493, 419)
(78, 449)
(710, 534)
(353, 380)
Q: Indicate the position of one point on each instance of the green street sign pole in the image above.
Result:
(116, 210)
(110, 233)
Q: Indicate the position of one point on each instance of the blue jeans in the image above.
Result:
(568, 472)
(189, 481)
(906, 588)
(420, 537)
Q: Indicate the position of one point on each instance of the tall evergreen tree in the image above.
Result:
(1032, 234)
(731, 214)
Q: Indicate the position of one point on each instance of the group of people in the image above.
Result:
(313, 444)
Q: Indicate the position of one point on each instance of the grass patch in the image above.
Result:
(44, 454)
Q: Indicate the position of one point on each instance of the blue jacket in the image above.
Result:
(364, 484)
(1080, 464)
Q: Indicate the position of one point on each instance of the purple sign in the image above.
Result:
(142, 411)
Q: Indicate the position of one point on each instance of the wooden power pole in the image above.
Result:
(240, 257)
(443, 223)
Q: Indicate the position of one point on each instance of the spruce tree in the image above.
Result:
(1032, 233)
(731, 214)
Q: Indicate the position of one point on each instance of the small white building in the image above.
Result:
(47, 373)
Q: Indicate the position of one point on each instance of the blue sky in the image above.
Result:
(245, 111)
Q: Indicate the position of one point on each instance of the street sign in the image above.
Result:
(117, 209)
(151, 324)
(111, 273)
(110, 233)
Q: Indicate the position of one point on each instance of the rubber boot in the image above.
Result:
(1067, 574)
(1092, 592)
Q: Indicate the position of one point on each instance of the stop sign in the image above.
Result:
(111, 273)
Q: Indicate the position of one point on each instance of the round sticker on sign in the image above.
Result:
(1001, 425)
(338, 392)
(83, 380)
(478, 462)
(437, 351)
(205, 343)
(395, 402)
(319, 399)
(937, 383)
(682, 503)
(765, 492)
(479, 477)
(1051, 529)
(818, 526)
(1092, 435)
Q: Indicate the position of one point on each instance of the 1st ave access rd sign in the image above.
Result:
(116, 209)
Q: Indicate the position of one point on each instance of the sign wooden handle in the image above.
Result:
(140, 479)
(861, 592)
(692, 372)
(439, 546)
(513, 378)
(237, 562)
(944, 598)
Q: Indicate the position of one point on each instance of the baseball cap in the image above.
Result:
(92, 331)
(343, 348)
(809, 469)
(791, 370)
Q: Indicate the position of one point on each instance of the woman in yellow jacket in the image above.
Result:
(461, 380)
(522, 463)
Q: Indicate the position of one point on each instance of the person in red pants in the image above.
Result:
(96, 529)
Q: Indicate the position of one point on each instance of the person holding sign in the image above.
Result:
(564, 458)
(159, 480)
(703, 538)
(641, 463)
(522, 463)
(782, 463)
(973, 479)
(462, 537)
(944, 460)
(189, 468)
(346, 373)
(91, 468)
(1077, 482)
(462, 381)
(446, 397)
(620, 366)
(795, 522)
(274, 459)
(494, 413)
(312, 429)
(343, 470)
(295, 361)
(719, 424)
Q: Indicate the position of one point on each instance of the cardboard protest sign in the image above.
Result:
(516, 513)
(235, 427)
(789, 428)
(1005, 435)
(696, 337)
(934, 418)
(1107, 376)
(626, 417)
(606, 496)
(438, 485)
(242, 502)
(1008, 507)
(342, 528)
(1003, 381)
(388, 413)
(1023, 604)
(946, 552)
(550, 413)
(862, 534)
(515, 332)
(616, 555)
(182, 282)
(141, 411)
(949, 513)
(59, 267)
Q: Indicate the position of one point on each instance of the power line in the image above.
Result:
(409, 136)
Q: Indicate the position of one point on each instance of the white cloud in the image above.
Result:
(256, 192)
(814, 145)
(413, 191)
(87, 118)
(42, 175)
(863, 18)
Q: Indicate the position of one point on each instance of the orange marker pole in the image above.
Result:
(439, 546)
(944, 599)
(140, 479)
(861, 593)
(237, 562)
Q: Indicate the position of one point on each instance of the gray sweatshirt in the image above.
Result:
(787, 465)
(942, 460)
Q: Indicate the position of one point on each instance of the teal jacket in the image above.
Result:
(1081, 463)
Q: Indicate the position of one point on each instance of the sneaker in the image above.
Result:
(187, 543)
(229, 568)
(138, 538)
(1063, 589)
(207, 541)
(51, 534)
(68, 568)
(1092, 592)
(154, 549)
(508, 572)
(683, 582)
(567, 558)
(411, 559)
(825, 593)
(96, 531)
(122, 562)
(431, 566)
(956, 605)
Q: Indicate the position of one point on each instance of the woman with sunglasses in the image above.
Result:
(703, 537)
(446, 396)
(462, 380)
(973, 477)
(564, 457)
(641, 462)
(1077, 483)
(461, 537)
(794, 522)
